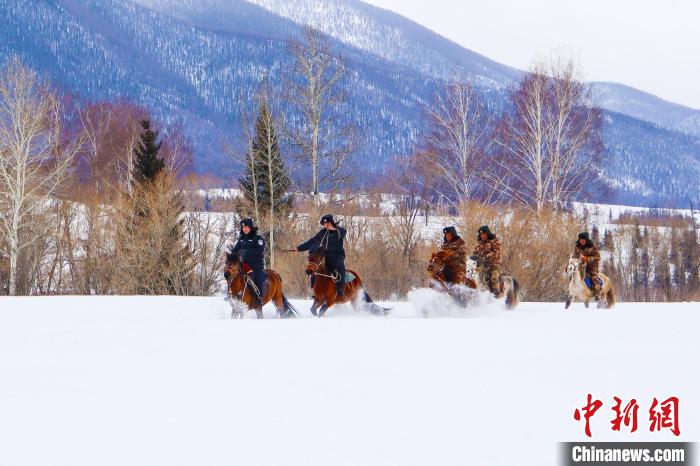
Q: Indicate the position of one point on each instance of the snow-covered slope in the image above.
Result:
(644, 106)
(171, 381)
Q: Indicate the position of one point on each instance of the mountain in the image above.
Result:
(198, 62)
(644, 106)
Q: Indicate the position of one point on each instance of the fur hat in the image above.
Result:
(450, 229)
(328, 218)
(584, 235)
(248, 222)
(485, 229)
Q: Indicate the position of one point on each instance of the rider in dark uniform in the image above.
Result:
(251, 247)
(330, 239)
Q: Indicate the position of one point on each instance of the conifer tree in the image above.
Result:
(152, 256)
(147, 164)
(266, 181)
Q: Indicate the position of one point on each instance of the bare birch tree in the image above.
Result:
(315, 89)
(34, 160)
(550, 143)
(458, 139)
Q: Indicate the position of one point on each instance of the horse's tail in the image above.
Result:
(290, 311)
(514, 294)
(610, 298)
(373, 307)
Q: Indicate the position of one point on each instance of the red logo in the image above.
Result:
(662, 415)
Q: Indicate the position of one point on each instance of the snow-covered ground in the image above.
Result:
(173, 381)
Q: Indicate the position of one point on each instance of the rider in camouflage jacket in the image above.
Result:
(454, 255)
(488, 247)
(588, 253)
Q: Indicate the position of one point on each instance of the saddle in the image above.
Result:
(349, 276)
(589, 282)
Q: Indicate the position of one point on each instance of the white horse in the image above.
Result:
(509, 285)
(575, 273)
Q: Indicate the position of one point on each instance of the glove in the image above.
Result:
(584, 258)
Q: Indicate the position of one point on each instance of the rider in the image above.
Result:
(330, 239)
(455, 250)
(588, 253)
(251, 247)
(488, 247)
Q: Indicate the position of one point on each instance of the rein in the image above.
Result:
(247, 280)
(315, 266)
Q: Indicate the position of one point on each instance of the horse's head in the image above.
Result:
(474, 264)
(572, 267)
(435, 265)
(233, 266)
(315, 260)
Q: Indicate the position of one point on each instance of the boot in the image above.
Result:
(340, 289)
(256, 302)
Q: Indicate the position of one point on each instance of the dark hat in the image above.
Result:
(248, 222)
(584, 235)
(484, 229)
(450, 229)
(327, 218)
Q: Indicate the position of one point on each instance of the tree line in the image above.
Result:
(97, 197)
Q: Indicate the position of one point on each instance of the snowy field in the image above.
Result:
(173, 381)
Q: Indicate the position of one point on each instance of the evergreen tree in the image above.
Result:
(152, 256)
(608, 242)
(265, 181)
(147, 165)
(595, 236)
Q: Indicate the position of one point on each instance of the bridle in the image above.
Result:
(574, 264)
(235, 271)
(314, 266)
(434, 268)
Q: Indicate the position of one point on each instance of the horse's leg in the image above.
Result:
(314, 306)
(568, 302)
(322, 311)
(586, 301)
(603, 301)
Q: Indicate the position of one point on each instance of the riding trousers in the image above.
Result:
(336, 263)
(259, 277)
(493, 274)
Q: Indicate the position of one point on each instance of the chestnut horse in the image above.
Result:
(439, 280)
(323, 285)
(438, 273)
(242, 288)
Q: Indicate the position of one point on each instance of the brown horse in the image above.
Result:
(323, 285)
(241, 288)
(437, 271)
(438, 274)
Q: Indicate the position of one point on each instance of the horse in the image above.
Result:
(509, 285)
(323, 284)
(241, 287)
(575, 273)
(437, 273)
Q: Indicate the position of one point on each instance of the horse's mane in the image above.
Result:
(233, 258)
(478, 259)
